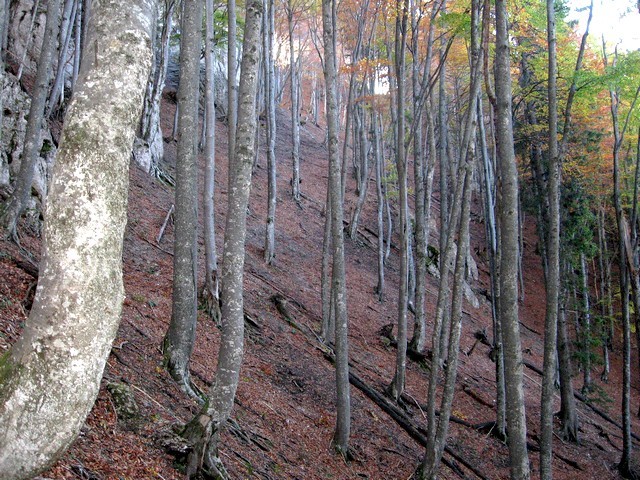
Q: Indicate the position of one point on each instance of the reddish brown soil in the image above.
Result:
(285, 403)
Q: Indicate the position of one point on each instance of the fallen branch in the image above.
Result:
(165, 223)
(156, 246)
(584, 400)
(408, 426)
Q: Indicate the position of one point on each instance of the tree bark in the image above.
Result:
(180, 336)
(217, 410)
(269, 29)
(295, 108)
(339, 292)
(568, 411)
(33, 136)
(232, 71)
(553, 258)
(618, 135)
(210, 293)
(77, 308)
(516, 420)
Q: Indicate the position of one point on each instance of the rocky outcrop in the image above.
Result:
(15, 106)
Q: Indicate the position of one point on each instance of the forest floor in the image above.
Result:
(284, 414)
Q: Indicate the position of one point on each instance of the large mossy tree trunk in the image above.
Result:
(50, 378)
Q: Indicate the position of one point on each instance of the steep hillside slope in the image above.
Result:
(284, 414)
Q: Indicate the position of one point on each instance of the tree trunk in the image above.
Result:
(217, 410)
(57, 91)
(270, 236)
(33, 135)
(419, 169)
(568, 411)
(618, 135)
(180, 336)
(61, 348)
(379, 165)
(491, 232)
(553, 258)
(295, 108)
(339, 292)
(436, 439)
(210, 293)
(150, 132)
(516, 420)
(232, 73)
(397, 385)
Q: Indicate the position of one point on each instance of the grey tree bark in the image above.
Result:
(436, 438)
(419, 173)
(57, 91)
(568, 411)
(180, 336)
(295, 107)
(553, 256)
(397, 385)
(491, 232)
(516, 420)
(204, 429)
(379, 166)
(232, 73)
(210, 293)
(270, 103)
(150, 134)
(624, 466)
(33, 136)
(339, 290)
(78, 302)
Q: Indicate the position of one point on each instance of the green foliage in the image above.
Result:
(599, 395)
(578, 222)
(220, 24)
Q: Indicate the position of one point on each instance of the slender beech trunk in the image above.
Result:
(491, 232)
(180, 336)
(66, 29)
(568, 412)
(604, 267)
(295, 107)
(516, 420)
(210, 293)
(419, 172)
(379, 165)
(51, 376)
(618, 135)
(77, 45)
(442, 143)
(232, 73)
(397, 385)
(363, 176)
(327, 330)
(436, 439)
(269, 75)
(586, 326)
(339, 291)
(204, 429)
(33, 136)
(433, 454)
(553, 257)
(150, 131)
(34, 14)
